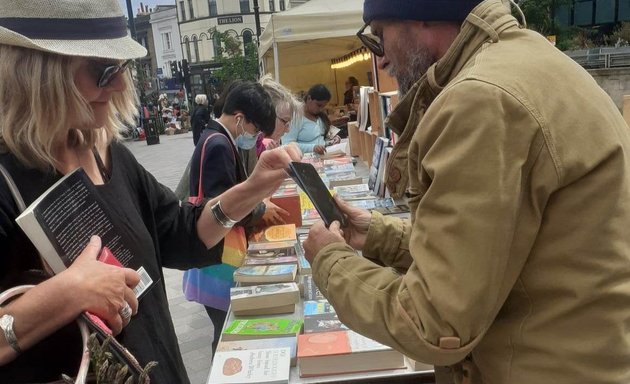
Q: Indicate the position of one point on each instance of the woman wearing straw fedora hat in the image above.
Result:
(76, 53)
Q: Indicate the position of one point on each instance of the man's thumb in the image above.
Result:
(335, 227)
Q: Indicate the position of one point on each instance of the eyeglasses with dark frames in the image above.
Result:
(109, 72)
(370, 42)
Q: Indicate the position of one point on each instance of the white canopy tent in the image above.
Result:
(309, 36)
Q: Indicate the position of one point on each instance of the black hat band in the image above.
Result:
(67, 29)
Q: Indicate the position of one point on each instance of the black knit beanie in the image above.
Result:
(421, 10)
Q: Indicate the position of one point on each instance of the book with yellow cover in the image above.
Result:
(284, 232)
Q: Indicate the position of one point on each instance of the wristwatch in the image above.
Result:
(221, 217)
(6, 324)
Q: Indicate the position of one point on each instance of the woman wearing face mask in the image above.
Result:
(246, 109)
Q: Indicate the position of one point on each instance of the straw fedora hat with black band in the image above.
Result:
(88, 28)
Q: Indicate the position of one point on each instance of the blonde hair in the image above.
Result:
(281, 96)
(40, 104)
(201, 99)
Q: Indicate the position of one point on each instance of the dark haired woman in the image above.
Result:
(309, 132)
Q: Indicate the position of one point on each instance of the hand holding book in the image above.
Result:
(102, 289)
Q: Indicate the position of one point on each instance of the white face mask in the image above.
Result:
(245, 140)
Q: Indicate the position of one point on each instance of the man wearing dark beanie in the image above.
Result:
(514, 265)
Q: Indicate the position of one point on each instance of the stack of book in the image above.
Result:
(340, 352)
(271, 257)
(268, 299)
(320, 316)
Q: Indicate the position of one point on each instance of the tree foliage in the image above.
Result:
(234, 64)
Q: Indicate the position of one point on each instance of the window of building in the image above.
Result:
(247, 40)
(216, 42)
(196, 46)
(182, 7)
(272, 6)
(186, 43)
(282, 5)
(167, 43)
(244, 6)
(190, 9)
(212, 7)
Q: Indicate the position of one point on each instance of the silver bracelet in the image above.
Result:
(221, 217)
(6, 324)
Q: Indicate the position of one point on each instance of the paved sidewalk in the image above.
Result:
(166, 161)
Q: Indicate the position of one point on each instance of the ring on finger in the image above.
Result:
(125, 311)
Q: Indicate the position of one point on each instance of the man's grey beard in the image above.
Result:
(419, 61)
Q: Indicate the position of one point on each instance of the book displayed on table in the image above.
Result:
(256, 366)
(258, 298)
(304, 267)
(275, 233)
(275, 249)
(311, 292)
(386, 206)
(260, 274)
(275, 310)
(333, 169)
(375, 166)
(272, 260)
(61, 221)
(354, 192)
(243, 329)
(288, 199)
(267, 343)
(330, 353)
(325, 322)
(317, 307)
(310, 216)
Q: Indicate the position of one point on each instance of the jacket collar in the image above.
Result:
(483, 25)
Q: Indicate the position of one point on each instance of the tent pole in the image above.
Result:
(336, 87)
(276, 61)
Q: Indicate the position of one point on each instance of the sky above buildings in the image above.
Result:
(136, 4)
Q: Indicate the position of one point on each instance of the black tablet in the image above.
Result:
(307, 178)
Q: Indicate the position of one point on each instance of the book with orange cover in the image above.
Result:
(291, 204)
(332, 353)
(284, 232)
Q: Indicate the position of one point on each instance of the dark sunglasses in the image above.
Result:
(109, 72)
(371, 43)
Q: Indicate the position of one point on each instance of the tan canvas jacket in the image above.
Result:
(518, 248)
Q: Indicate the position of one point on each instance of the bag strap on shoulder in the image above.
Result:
(203, 156)
(15, 192)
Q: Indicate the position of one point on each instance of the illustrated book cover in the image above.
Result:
(268, 343)
(256, 366)
(329, 353)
